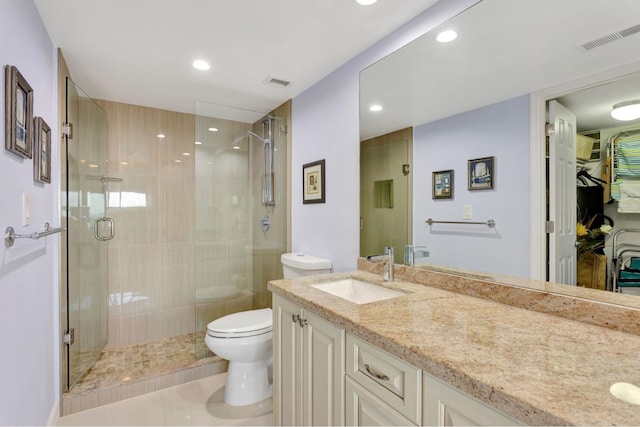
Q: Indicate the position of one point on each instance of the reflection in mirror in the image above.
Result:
(472, 98)
(385, 189)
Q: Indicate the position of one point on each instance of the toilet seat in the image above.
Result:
(243, 324)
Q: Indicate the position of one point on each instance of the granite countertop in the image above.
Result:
(539, 368)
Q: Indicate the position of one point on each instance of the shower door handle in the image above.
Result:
(112, 229)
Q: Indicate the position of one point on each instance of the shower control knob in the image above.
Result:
(266, 223)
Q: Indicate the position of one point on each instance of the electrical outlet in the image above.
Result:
(467, 212)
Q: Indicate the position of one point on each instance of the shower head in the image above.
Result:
(265, 140)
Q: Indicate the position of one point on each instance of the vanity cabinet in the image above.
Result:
(363, 408)
(308, 367)
(324, 376)
(445, 405)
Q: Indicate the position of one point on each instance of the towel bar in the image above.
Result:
(489, 223)
(10, 236)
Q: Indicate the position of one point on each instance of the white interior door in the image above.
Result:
(562, 195)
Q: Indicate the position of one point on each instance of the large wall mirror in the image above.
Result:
(475, 98)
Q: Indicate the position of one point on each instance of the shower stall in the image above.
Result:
(200, 213)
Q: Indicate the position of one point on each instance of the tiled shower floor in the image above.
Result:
(145, 367)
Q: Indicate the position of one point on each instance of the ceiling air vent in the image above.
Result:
(630, 31)
(610, 38)
(277, 82)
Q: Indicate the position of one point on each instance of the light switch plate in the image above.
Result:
(26, 209)
(467, 212)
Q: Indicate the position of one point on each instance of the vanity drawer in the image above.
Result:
(387, 377)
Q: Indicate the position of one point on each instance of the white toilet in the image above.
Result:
(296, 264)
(245, 339)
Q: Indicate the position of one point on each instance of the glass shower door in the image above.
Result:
(87, 229)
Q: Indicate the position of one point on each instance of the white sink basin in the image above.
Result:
(357, 291)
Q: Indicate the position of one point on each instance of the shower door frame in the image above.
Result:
(72, 286)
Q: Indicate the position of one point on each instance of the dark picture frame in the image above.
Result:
(313, 188)
(442, 187)
(18, 113)
(481, 173)
(41, 151)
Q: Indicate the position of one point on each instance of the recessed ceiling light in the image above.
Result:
(447, 36)
(124, 163)
(366, 2)
(235, 147)
(198, 143)
(160, 135)
(93, 165)
(178, 161)
(375, 107)
(213, 129)
(186, 154)
(199, 64)
(625, 111)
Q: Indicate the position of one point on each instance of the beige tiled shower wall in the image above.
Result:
(151, 258)
(268, 246)
(189, 246)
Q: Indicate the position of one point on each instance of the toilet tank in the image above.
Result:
(296, 264)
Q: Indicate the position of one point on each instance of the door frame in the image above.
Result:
(537, 189)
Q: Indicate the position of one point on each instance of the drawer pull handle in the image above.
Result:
(375, 373)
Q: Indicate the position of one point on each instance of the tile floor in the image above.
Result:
(198, 402)
(140, 361)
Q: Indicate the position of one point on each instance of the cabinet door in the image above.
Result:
(287, 335)
(323, 372)
(445, 405)
(364, 409)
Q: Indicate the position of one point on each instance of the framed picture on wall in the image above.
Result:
(18, 113)
(481, 173)
(41, 151)
(443, 184)
(313, 182)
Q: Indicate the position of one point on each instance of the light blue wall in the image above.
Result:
(29, 270)
(500, 130)
(325, 125)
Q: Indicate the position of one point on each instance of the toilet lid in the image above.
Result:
(244, 323)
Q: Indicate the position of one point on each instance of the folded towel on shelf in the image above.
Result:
(628, 158)
(629, 205)
(629, 201)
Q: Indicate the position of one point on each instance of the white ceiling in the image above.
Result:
(140, 51)
(505, 49)
(592, 106)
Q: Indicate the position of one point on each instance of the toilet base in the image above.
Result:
(248, 383)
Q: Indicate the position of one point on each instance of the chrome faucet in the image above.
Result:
(410, 252)
(387, 258)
